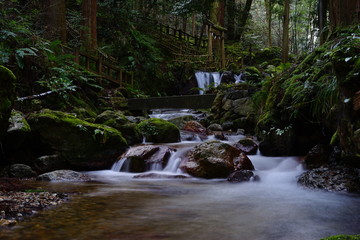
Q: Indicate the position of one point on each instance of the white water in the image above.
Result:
(206, 80)
(238, 79)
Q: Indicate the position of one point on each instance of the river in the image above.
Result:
(117, 206)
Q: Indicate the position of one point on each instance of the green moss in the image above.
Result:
(159, 130)
(343, 237)
(7, 97)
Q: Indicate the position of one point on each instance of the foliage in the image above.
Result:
(343, 237)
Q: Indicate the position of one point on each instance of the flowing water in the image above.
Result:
(117, 206)
(206, 80)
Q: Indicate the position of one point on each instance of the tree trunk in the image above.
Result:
(268, 7)
(322, 10)
(285, 39)
(231, 15)
(55, 19)
(89, 32)
(244, 17)
(344, 13)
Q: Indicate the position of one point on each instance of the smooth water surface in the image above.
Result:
(116, 206)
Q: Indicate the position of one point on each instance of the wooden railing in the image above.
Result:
(181, 35)
(102, 65)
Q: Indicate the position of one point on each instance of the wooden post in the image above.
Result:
(222, 49)
(210, 50)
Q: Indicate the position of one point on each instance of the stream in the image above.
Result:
(117, 206)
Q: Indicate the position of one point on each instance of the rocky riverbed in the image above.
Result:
(19, 199)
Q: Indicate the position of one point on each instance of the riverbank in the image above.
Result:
(19, 199)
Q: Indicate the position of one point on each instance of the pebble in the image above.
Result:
(15, 205)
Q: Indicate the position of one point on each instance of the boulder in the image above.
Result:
(318, 156)
(243, 163)
(210, 160)
(147, 157)
(181, 121)
(159, 131)
(49, 163)
(247, 146)
(196, 127)
(20, 171)
(215, 127)
(17, 133)
(117, 120)
(7, 97)
(332, 179)
(63, 176)
(242, 176)
(83, 145)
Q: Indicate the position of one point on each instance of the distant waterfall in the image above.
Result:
(206, 80)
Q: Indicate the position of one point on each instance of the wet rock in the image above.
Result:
(332, 179)
(147, 157)
(219, 135)
(160, 176)
(84, 145)
(243, 163)
(196, 127)
(63, 176)
(181, 121)
(247, 146)
(210, 160)
(215, 127)
(318, 156)
(117, 120)
(49, 163)
(21, 171)
(242, 176)
(159, 131)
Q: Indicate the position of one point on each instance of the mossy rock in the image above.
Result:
(7, 97)
(117, 120)
(159, 131)
(18, 131)
(84, 145)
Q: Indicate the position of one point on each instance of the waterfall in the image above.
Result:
(122, 164)
(206, 80)
(238, 79)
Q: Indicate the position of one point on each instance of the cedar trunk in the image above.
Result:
(55, 19)
(89, 33)
(285, 40)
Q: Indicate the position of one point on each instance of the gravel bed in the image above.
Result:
(19, 200)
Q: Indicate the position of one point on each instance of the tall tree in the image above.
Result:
(244, 17)
(268, 7)
(231, 15)
(285, 39)
(55, 19)
(344, 13)
(89, 33)
(322, 18)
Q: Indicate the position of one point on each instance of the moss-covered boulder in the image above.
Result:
(17, 133)
(84, 145)
(117, 120)
(210, 160)
(159, 131)
(7, 97)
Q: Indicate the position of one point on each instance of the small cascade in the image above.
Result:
(206, 80)
(174, 160)
(121, 165)
(238, 77)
